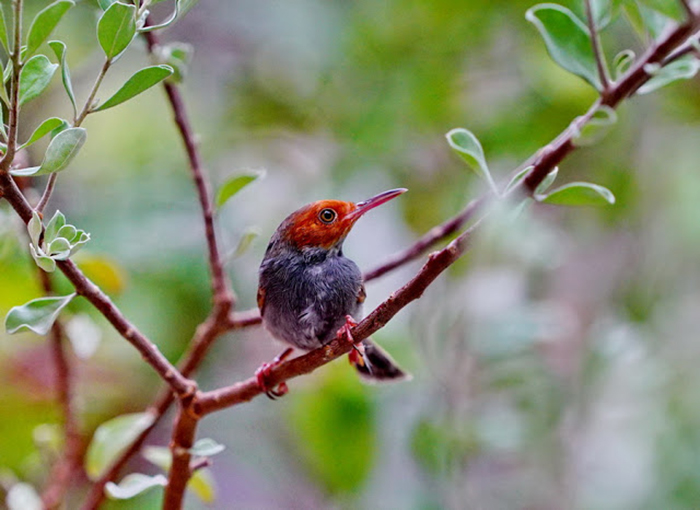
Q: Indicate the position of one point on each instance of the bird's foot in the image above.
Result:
(263, 372)
(357, 355)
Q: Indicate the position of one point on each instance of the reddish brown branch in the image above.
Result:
(597, 49)
(66, 467)
(180, 471)
(83, 286)
(222, 294)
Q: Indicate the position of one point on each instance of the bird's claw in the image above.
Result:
(357, 355)
(346, 329)
(263, 372)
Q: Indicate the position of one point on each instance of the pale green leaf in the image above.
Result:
(116, 28)
(46, 127)
(247, 237)
(44, 23)
(469, 149)
(201, 483)
(142, 80)
(60, 152)
(235, 184)
(59, 48)
(57, 221)
(134, 484)
(517, 179)
(206, 447)
(602, 120)
(169, 21)
(622, 62)
(34, 227)
(111, 439)
(3, 32)
(37, 315)
(104, 4)
(547, 181)
(682, 69)
(578, 194)
(35, 77)
(567, 39)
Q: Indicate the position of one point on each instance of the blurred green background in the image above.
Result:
(555, 366)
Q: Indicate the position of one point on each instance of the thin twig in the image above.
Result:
(87, 107)
(15, 59)
(65, 467)
(150, 353)
(688, 8)
(597, 50)
(47, 193)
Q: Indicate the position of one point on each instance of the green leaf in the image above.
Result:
(167, 22)
(567, 39)
(116, 28)
(111, 439)
(44, 23)
(57, 221)
(201, 483)
(622, 62)
(37, 315)
(247, 237)
(603, 119)
(547, 181)
(34, 227)
(682, 69)
(579, 193)
(134, 484)
(177, 55)
(42, 260)
(62, 149)
(59, 249)
(235, 184)
(104, 4)
(140, 81)
(206, 447)
(469, 149)
(670, 9)
(517, 179)
(44, 129)
(3, 33)
(59, 48)
(35, 77)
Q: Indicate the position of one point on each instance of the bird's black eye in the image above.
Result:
(327, 215)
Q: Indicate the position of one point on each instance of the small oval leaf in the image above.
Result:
(206, 447)
(567, 39)
(44, 23)
(35, 77)
(469, 149)
(61, 151)
(111, 439)
(134, 484)
(116, 28)
(547, 181)
(682, 69)
(37, 315)
(579, 194)
(142, 80)
(247, 237)
(517, 179)
(622, 62)
(602, 120)
(44, 129)
(235, 184)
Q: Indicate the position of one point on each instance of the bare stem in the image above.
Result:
(15, 59)
(47, 193)
(87, 107)
(597, 50)
(180, 470)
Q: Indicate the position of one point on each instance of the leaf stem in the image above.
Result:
(87, 108)
(597, 49)
(15, 58)
(50, 184)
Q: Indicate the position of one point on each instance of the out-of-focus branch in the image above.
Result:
(597, 50)
(83, 286)
(68, 465)
(16, 62)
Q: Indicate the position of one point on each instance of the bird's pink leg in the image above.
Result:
(357, 355)
(263, 372)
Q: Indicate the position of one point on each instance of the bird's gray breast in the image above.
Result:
(307, 298)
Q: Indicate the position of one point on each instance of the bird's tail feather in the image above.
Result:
(377, 365)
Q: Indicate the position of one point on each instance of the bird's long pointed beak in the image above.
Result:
(371, 203)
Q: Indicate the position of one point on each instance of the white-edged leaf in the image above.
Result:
(206, 447)
(602, 120)
(567, 39)
(682, 69)
(34, 227)
(622, 62)
(37, 315)
(201, 483)
(134, 484)
(116, 28)
(35, 77)
(547, 181)
(59, 48)
(468, 147)
(517, 179)
(579, 194)
(60, 152)
(111, 439)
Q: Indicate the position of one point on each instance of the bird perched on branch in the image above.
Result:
(309, 292)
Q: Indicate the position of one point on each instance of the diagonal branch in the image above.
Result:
(597, 50)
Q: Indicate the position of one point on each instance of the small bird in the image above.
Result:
(309, 291)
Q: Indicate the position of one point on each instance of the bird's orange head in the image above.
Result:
(325, 223)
